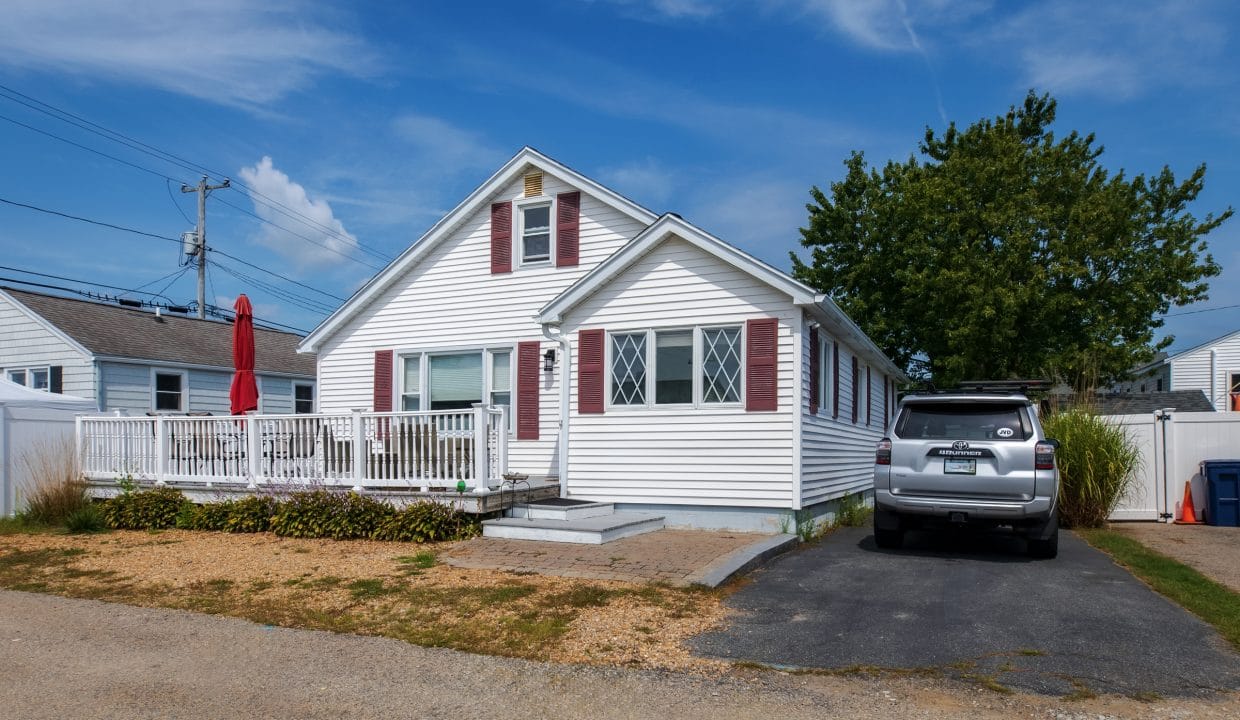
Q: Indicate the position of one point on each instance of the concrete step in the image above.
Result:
(562, 510)
(585, 531)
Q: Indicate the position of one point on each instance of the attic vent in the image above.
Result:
(533, 184)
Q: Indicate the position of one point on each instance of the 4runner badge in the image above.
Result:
(960, 445)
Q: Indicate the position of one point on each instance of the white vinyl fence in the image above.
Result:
(412, 450)
(1173, 445)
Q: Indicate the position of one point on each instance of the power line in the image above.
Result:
(1203, 310)
(312, 241)
(87, 220)
(177, 205)
(87, 148)
(84, 282)
(275, 274)
(135, 144)
(300, 301)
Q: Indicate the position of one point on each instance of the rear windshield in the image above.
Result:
(957, 421)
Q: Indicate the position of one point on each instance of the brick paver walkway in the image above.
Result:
(677, 557)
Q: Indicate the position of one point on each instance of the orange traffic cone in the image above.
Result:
(1188, 512)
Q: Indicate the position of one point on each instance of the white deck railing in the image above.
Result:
(413, 450)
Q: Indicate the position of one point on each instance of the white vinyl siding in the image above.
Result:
(450, 299)
(26, 342)
(1191, 371)
(685, 455)
(837, 456)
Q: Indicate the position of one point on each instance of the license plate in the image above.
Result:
(953, 466)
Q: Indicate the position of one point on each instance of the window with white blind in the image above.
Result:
(455, 380)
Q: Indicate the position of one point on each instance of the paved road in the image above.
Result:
(974, 599)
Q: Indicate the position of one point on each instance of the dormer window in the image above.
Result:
(536, 233)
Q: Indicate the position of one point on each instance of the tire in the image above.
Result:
(1046, 548)
(888, 539)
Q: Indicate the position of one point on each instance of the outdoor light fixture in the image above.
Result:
(549, 360)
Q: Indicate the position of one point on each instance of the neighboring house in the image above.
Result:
(648, 363)
(1212, 367)
(137, 361)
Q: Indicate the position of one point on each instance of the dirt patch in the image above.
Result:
(372, 588)
(1210, 550)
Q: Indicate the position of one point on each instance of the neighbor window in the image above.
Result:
(676, 367)
(536, 233)
(169, 391)
(303, 398)
(33, 378)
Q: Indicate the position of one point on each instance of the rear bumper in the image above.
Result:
(1000, 511)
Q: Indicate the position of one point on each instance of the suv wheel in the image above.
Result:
(1043, 546)
(889, 537)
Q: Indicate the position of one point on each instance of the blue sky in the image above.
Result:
(361, 124)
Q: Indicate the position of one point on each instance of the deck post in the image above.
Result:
(359, 447)
(482, 468)
(501, 443)
(161, 450)
(253, 450)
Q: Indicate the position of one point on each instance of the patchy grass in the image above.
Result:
(1217, 604)
(413, 597)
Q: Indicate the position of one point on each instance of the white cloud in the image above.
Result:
(646, 181)
(1116, 50)
(246, 53)
(759, 213)
(443, 146)
(280, 197)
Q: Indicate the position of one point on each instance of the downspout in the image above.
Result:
(559, 337)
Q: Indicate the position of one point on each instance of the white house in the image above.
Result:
(646, 362)
(1212, 367)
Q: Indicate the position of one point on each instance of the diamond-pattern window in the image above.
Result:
(721, 365)
(628, 369)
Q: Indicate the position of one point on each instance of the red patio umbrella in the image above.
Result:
(244, 392)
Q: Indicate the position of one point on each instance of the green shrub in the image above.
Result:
(155, 509)
(1096, 462)
(208, 516)
(86, 519)
(250, 514)
(426, 521)
(326, 514)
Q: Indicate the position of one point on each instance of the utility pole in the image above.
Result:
(203, 189)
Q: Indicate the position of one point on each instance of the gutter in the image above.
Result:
(562, 461)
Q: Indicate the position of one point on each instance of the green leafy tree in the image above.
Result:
(1006, 252)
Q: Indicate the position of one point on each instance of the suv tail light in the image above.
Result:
(882, 455)
(1044, 456)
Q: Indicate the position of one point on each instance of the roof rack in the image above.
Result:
(1004, 386)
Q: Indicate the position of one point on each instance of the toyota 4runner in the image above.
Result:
(967, 459)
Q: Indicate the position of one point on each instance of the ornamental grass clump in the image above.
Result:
(1096, 463)
(53, 488)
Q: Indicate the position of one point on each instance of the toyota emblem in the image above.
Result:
(960, 445)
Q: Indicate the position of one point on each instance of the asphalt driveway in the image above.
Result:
(972, 605)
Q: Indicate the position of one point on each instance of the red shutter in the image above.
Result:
(869, 397)
(590, 371)
(835, 380)
(567, 235)
(383, 381)
(528, 370)
(761, 349)
(814, 399)
(501, 238)
(856, 388)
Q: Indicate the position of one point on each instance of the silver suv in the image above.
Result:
(967, 458)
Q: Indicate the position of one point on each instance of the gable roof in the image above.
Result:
(1206, 344)
(669, 225)
(1143, 403)
(526, 158)
(111, 331)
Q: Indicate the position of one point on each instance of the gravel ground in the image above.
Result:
(1211, 550)
(85, 659)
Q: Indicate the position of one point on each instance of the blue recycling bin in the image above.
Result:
(1223, 489)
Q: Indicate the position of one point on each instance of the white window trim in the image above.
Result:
(314, 397)
(1227, 376)
(519, 207)
(698, 386)
(424, 375)
(155, 371)
(29, 369)
(822, 374)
